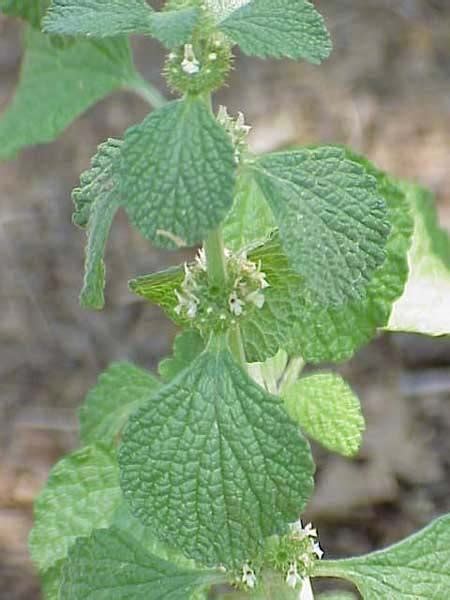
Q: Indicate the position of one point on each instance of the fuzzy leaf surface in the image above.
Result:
(29, 10)
(214, 464)
(417, 567)
(106, 18)
(96, 202)
(81, 494)
(329, 333)
(120, 389)
(174, 27)
(333, 222)
(187, 346)
(77, 76)
(179, 172)
(98, 17)
(289, 28)
(327, 409)
(112, 565)
(289, 319)
(250, 218)
(425, 305)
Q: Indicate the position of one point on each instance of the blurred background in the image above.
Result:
(386, 93)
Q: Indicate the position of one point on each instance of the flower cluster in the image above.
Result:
(212, 310)
(237, 130)
(200, 68)
(307, 549)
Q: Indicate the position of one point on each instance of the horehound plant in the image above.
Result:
(194, 480)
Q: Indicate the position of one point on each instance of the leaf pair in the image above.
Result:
(290, 28)
(174, 174)
(109, 18)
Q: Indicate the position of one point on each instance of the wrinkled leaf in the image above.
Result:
(417, 567)
(290, 28)
(333, 222)
(112, 565)
(213, 465)
(81, 494)
(119, 391)
(179, 172)
(327, 409)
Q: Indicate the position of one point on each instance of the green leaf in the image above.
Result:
(179, 172)
(123, 520)
(415, 568)
(50, 581)
(174, 27)
(214, 464)
(29, 10)
(98, 17)
(250, 218)
(333, 222)
(289, 319)
(103, 18)
(159, 288)
(57, 85)
(424, 307)
(119, 391)
(187, 346)
(337, 596)
(81, 494)
(291, 28)
(328, 333)
(327, 410)
(96, 202)
(111, 565)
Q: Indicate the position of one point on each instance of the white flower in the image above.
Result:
(293, 578)
(301, 532)
(257, 298)
(236, 304)
(317, 550)
(190, 64)
(248, 576)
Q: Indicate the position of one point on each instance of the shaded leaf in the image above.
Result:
(119, 391)
(187, 346)
(111, 565)
(81, 494)
(96, 203)
(58, 84)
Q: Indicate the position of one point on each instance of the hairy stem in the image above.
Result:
(215, 259)
(148, 92)
(217, 275)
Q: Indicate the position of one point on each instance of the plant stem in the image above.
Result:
(217, 275)
(215, 259)
(291, 373)
(148, 92)
(237, 346)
